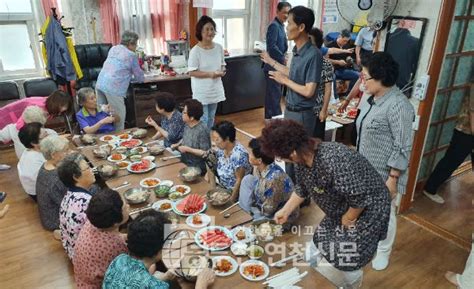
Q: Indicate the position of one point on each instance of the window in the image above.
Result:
(18, 46)
(232, 18)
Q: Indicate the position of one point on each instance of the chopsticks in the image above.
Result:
(136, 211)
(169, 158)
(284, 260)
(225, 210)
(285, 279)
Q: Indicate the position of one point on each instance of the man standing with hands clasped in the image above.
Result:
(277, 45)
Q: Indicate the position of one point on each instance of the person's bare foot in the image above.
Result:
(451, 277)
(4, 211)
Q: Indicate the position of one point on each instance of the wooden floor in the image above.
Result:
(31, 258)
(458, 194)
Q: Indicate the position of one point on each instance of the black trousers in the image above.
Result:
(460, 147)
(319, 129)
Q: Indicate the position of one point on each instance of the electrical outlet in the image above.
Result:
(416, 122)
(421, 85)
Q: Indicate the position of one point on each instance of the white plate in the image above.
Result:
(167, 183)
(235, 265)
(156, 205)
(124, 168)
(139, 143)
(106, 146)
(116, 161)
(122, 139)
(144, 149)
(205, 246)
(254, 262)
(113, 138)
(142, 183)
(129, 168)
(239, 246)
(188, 190)
(206, 220)
(150, 158)
(249, 235)
(175, 208)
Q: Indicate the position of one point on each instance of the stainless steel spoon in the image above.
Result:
(124, 184)
(227, 215)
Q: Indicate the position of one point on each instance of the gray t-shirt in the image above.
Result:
(50, 192)
(305, 67)
(196, 137)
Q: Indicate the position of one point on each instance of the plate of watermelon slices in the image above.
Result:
(213, 238)
(191, 205)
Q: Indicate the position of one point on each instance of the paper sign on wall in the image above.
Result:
(330, 12)
(203, 3)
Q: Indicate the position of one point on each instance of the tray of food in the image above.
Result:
(130, 143)
(141, 167)
(192, 204)
(213, 238)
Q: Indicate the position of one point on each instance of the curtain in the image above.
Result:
(168, 18)
(110, 21)
(134, 15)
(272, 12)
(47, 5)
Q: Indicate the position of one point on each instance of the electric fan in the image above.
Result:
(359, 12)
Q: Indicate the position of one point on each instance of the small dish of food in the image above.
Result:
(266, 230)
(139, 133)
(162, 191)
(162, 206)
(218, 196)
(149, 183)
(116, 157)
(107, 138)
(254, 270)
(182, 189)
(122, 165)
(124, 136)
(136, 158)
(239, 249)
(174, 196)
(88, 139)
(101, 153)
(150, 158)
(138, 150)
(243, 234)
(255, 252)
(224, 265)
(156, 149)
(198, 220)
(121, 149)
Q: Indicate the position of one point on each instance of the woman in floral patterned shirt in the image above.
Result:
(172, 124)
(230, 162)
(78, 177)
(349, 191)
(266, 190)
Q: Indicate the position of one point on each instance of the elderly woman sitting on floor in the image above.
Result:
(172, 125)
(78, 177)
(32, 159)
(145, 240)
(90, 118)
(49, 188)
(100, 240)
(10, 132)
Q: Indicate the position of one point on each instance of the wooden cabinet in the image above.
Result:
(141, 97)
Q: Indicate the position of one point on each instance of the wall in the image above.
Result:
(79, 14)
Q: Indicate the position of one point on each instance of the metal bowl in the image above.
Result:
(191, 266)
(162, 191)
(139, 133)
(190, 174)
(106, 171)
(156, 149)
(88, 139)
(101, 153)
(218, 196)
(136, 195)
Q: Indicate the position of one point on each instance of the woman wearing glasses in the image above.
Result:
(384, 135)
(78, 177)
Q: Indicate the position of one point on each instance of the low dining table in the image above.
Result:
(280, 247)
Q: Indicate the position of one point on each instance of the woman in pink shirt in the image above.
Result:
(100, 241)
(55, 104)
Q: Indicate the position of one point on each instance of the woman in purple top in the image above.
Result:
(90, 118)
(117, 72)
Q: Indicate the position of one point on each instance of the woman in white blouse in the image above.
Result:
(206, 66)
(31, 159)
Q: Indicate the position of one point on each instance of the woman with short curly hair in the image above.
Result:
(346, 187)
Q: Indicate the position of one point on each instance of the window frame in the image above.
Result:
(226, 14)
(31, 22)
